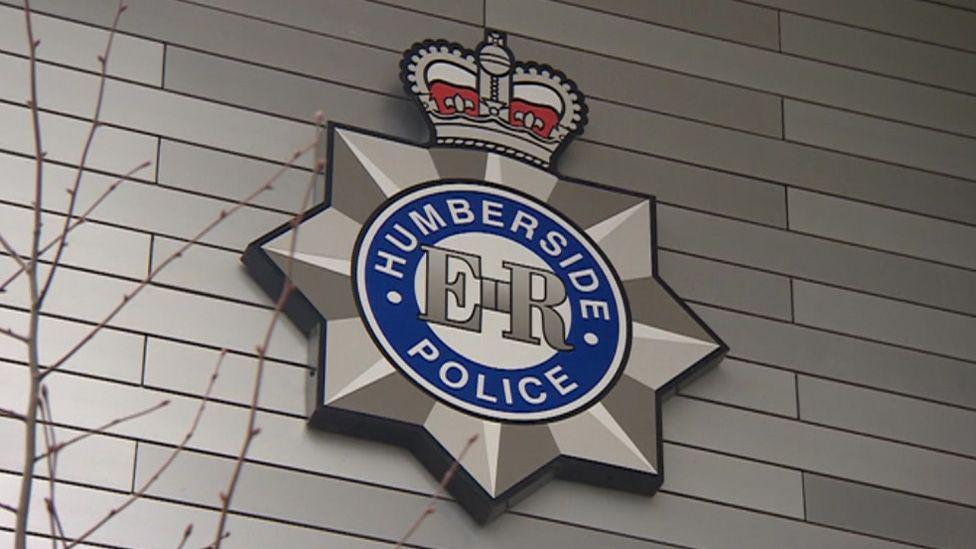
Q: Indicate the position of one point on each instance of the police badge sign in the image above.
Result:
(463, 287)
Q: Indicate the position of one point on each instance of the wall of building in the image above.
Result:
(815, 165)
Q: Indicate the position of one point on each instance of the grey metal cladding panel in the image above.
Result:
(79, 46)
(141, 206)
(783, 161)
(187, 368)
(736, 64)
(724, 149)
(814, 258)
(113, 150)
(289, 95)
(209, 270)
(747, 385)
(881, 512)
(877, 227)
(890, 416)
(659, 90)
(881, 139)
(745, 483)
(885, 320)
(100, 460)
(202, 28)
(734, 21)
(926, 21)
(967, 4)
(228, 176)
(370, 23)
(683, 184)
(823, 450)
(684, 521)
(881, 53)
(726, 285)
(89, 245)
(471, 11)
(172, 313)
(160, 112)
(153, 523)
(272, 91)
(325, 502)
(287, 441)
(110, 353)
(843, 358)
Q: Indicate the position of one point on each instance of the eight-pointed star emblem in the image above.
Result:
(449, 292)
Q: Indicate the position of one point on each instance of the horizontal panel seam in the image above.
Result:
(694, 32)
(612, 146)
(667, 440)
(155, 335)
(757, 90)
(878, 72)
(863, 28)
(841, 381)
(289, 415)
(898, 345)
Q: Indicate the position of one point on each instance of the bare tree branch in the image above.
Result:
(286, 290)
(78, 221)
(165, 465)
(36, 123)
(57, 447)
(33, 362)
(432, 505)
(267, 185)
(38, 403)
(7, 507)
(102, 79)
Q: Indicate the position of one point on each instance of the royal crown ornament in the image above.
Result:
(486, 99)
(463, 289)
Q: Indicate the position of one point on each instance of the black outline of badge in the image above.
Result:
(432, 455)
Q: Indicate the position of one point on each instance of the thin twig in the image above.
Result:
(6, 412)
(102, 79)
(214, 545)
(7, 507)
(267, 185)
(53, 512)
(9, 332)
(186, 536)
(84, 217)
(57, 447)
(165, 465)
(286, 290)
(432, 504)
(50, 441)
(8, 247)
